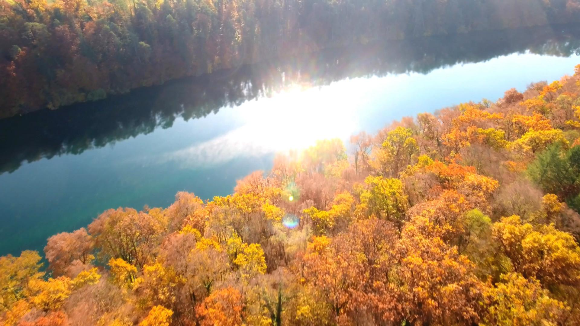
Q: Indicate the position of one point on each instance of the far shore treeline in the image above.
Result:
(56, 53)
(468, 216)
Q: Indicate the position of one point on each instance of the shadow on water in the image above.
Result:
(75, 129)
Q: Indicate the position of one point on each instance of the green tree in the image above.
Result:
(557, 171)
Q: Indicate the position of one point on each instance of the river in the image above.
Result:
(60, 169)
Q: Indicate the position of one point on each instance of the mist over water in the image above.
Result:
(60, 169)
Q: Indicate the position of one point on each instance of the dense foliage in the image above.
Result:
(469, 216)
(54, 53)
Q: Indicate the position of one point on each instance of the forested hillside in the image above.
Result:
(468, 216)
(55, 53)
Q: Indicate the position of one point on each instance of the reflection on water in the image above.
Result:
(290, 120)
(75, 129)
(202, 134)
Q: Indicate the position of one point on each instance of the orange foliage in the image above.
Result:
(223, 307)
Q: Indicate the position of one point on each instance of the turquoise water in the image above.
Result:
(60, 169)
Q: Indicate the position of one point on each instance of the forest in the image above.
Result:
(466, 216)
(56, 53)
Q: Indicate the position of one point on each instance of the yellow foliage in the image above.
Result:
(550, 89)
(323, 221)
(385, 198)
(492, 137)
(552, 207)
(246, 203)
(123, 273)
(517, 301)
(205, 243)
(336, 169)
(15, 275)
(396, 152)
(537, 104)
(50, 295)
(535, 141)
(235, 245)
(251, 261)
(188, 229)
(318, 244)
(86, 278)
(158, 284)
(325, 153)
(545, 253)
(158, 316)
(479, 186)
(575, 123)
(341, 212)
(535, 122)
(272, 212)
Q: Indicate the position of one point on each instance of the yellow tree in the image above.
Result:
(158, 316)
(337, 218)
(549, 91)
(533, 141)
(158, 285)
(123, 273)
(443, 217)
(251, 261)
(535, 122)
(15, 275)
(544, 253)
(325, 152)
(385, 199)
(575, 123)
(87, 277)
(396, 152)
(50, 295)
(473, 125)
(437, 285)
(519, 301)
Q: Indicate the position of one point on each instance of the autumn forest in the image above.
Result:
(469, 215)
(56, 53)
(462, 217)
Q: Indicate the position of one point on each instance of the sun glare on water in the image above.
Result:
(297, 117)
(293, 119)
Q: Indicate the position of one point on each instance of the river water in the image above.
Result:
(60, 169)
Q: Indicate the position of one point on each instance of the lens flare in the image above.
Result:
(291, 192)
(290, 221)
